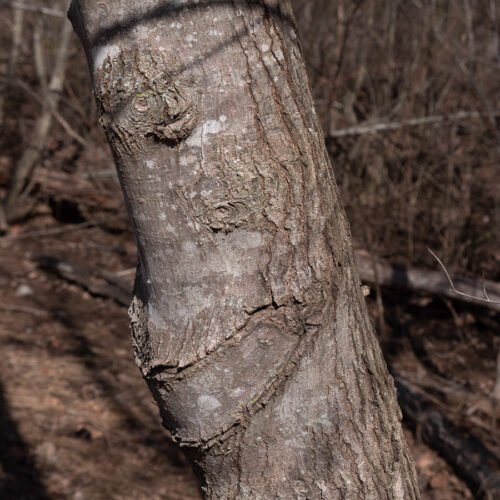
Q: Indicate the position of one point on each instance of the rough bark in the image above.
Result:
(248, 319)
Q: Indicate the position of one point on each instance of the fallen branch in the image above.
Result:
(428, 281)
(23, 309)
(96, 282)
(387, 274)
(85, 193)
(412, 122)
(51, 231)
(471, 460)
(455, 397)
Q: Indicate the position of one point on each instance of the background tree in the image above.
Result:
(248, 318)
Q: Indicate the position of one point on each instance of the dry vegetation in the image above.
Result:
(431, 185)
(77, 422)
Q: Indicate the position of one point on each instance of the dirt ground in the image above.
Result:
(77, 421)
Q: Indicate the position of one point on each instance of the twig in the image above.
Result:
(56, 230)
(463, 67)
(23, 309)
(126, 272)
(33, 8)
(484, 290)
(36, 145)
(62, 121)
(38, 54)
(458, 292)
(412, 122)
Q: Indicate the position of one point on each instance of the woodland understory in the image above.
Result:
(407, 94)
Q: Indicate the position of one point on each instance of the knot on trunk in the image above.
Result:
(141, 102)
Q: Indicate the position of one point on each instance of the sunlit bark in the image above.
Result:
(248, 319)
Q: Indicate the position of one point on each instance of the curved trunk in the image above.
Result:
(248, 319)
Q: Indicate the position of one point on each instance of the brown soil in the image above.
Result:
(77, 420)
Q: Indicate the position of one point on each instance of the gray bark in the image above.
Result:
(248, 319)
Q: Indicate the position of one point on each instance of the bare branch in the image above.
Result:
(36, 145)
(23, 309)
(422, 280)
(33, 8)
(458, 292)
(38, 53)
(51, 231)
(62, 121)
(412, 122)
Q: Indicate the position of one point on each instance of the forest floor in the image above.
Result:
(78, 422)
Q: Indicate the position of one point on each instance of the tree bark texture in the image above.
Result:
(248, 319)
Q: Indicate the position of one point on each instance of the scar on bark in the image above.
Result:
(201, 402)
(140, 103)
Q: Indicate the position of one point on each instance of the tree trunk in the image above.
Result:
(248, 318)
